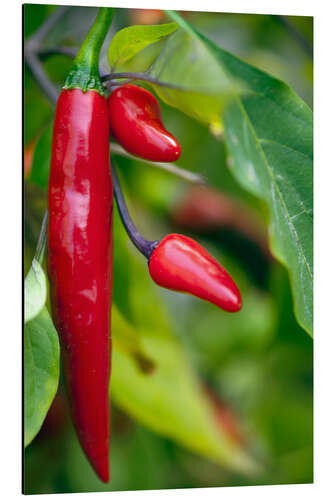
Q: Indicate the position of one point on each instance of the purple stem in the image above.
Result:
(144, 246)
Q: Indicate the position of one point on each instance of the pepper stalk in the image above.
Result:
(85, 71)
(144, 246)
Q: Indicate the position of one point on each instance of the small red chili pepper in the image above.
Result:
(80, 245)
(179, 263)
(136, 123)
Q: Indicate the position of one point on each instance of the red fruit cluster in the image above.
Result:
(80, 201)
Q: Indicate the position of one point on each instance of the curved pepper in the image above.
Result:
(80, 246)
(179, 263)
(136, 123)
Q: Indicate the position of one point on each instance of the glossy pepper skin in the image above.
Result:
(179, 263)
(80, 204)
(80, 259)
(136, 123)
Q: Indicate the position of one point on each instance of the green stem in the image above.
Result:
(85, 73)
(41, 244)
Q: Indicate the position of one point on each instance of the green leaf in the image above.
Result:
(34, 291)
(129, 41)
(204, 88)
(268, 133)
(42, 156)
(41, 372)
(171, 400)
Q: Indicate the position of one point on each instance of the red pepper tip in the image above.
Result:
(236, 304)
(177, 150)
(101, 467)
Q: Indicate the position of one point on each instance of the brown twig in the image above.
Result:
(140, 76)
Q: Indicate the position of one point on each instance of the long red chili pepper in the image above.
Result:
(179, 263)
(80, 245)
(136, 123)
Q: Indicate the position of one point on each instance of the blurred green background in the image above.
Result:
(258, 364)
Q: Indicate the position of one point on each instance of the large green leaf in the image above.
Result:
(34, 291)
(129, 41)
(171, 402)
(268, 133)
(41, 372)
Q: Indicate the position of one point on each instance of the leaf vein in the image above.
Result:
(269, 170)
(271, 141)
